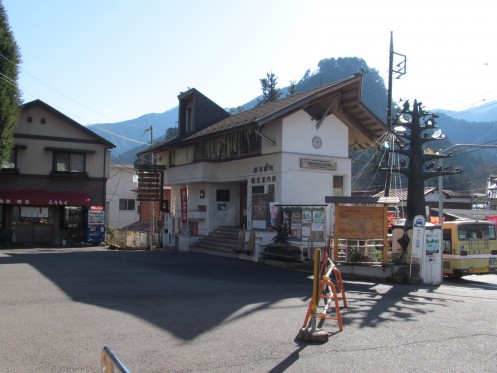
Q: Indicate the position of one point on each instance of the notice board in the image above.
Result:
(366, 222)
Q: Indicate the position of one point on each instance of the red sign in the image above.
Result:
(43, 198)
(184, 205)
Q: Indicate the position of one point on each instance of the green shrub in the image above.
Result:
(112, 236)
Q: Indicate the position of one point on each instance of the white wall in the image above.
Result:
(278, 165)
(121, 185)
(299, 130)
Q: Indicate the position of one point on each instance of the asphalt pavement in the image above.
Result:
(170, 311)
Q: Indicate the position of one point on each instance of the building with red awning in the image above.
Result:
(54, 179)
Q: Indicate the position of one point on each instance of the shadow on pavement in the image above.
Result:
(188, 294)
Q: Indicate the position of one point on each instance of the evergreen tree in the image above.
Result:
(269, 91)
(10, 95)
(171, 132)
(374, 92)
(292, 88)
(236, 110)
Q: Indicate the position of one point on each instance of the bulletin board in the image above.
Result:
(260, 210)
(304, 224)
(360, 221)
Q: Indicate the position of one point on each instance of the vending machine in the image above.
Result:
(95, 232)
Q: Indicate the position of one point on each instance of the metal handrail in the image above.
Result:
(110, 362)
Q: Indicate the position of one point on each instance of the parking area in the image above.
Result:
(187, 312)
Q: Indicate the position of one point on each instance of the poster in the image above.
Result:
(304, 223)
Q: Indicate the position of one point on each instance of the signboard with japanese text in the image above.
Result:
(184, 205)
(360, 221)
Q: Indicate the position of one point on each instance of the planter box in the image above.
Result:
(372, 271)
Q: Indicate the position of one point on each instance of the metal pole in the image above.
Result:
(315, 288)
(390, 73)
(152, 207)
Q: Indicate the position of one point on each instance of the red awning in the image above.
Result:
(43, 198)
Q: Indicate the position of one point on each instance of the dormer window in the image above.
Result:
(197, 112)
(189, 118)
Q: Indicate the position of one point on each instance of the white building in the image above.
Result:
(122, 206)
(228, 170)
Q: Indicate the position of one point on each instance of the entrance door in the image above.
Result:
(243, 205)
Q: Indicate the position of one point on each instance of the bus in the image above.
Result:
(469, 247)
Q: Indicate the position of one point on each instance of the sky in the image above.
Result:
(113, 60)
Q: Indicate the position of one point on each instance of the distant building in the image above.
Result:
(122, 206)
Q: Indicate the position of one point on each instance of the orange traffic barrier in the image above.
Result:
(329, 292)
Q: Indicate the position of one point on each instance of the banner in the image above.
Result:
(184, 205)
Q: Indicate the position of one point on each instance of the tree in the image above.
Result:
(269, 91)
(236, 110)
(331, 70)
(171, 132)
(10, 95)
(292, 88)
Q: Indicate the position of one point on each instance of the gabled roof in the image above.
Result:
(342, 98)
(68, 120)
(402, 193)
(462, 214)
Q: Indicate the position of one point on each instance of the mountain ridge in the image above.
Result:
(477, 125)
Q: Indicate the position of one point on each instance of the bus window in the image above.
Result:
(491, 232)
(447, 244)
(476, 231)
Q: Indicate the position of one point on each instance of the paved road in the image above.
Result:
(188, 312)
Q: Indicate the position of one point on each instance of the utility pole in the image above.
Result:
(150, 182)
(152, 223)
(401, 70)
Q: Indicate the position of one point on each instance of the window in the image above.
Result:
(228, 146)
(69, 162)
(258, 189)
(30, 119)
(188, 119)
(476, 231)
(338, 186)
(222, 195)
(447, 241)
(126, 204)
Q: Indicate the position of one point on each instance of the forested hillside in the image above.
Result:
(478, 165)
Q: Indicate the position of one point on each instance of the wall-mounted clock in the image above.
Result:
(317, 142)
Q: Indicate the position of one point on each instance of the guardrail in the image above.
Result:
(110, 362)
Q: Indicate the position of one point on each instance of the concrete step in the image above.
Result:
(221, 241)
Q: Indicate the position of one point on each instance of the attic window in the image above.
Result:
(43, 121)
(188, 119)
(30, 119)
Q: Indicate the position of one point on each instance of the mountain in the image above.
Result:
(130, 136)
(486, 112)
(134, 135)
(472, 126)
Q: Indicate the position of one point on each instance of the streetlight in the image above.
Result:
(440, 178)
